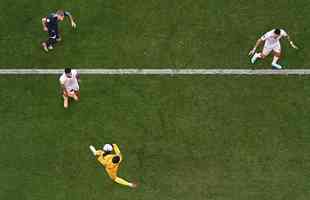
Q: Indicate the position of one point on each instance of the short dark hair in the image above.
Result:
(277, 31)
(67, 70)
(116, 159)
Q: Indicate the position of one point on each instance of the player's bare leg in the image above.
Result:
(276, 57)
(257, 56)
(66, 99)
(77, 95)
(74, 95)
(66, 102)
(44, 45)
(124, 182)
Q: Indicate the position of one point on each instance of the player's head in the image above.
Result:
(60, 15)
(107, 148)
(277, 31)
(68, 72)
(116, 159)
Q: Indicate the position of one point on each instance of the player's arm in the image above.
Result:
(291, 42)
(62, 88)
(62, 81)
(116, 149)
(94, 151)
(68, 14)
(44, 21)
(258, 42)
(77, 76)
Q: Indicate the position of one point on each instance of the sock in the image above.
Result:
(275, 60)
(254, 58)
(122, 182)
(274, 63)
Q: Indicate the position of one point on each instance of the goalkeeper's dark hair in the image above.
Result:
(277, 31)
(67, 70)
(116, 159)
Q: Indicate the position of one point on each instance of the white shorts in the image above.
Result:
(74, 87)
(269, 48)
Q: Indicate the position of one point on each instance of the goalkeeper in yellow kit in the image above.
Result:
(111, 162)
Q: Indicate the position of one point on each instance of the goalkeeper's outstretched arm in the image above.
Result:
(92, 149)
(116, 149)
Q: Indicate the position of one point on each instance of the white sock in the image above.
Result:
(255, 56)
(274, 62)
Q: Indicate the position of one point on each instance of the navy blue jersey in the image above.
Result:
(52, 21)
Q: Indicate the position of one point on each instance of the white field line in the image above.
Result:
(160, 71)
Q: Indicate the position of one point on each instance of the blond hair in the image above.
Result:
(60, 12)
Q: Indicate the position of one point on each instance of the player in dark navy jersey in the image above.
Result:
(50, 25)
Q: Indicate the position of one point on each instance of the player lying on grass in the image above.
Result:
(272, 44)
(50, 25)
(69, 85)
(111, 162)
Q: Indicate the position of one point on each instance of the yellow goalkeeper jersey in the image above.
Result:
(106, 161)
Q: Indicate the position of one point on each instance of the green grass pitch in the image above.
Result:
(161, 33)
(183, 137)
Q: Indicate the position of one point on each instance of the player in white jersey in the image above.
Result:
(69, 83)
(272, 44)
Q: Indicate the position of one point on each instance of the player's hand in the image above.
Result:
(293, 45)
(73, 24)
(45, 29)
(252, 52)
(92, 149)
(134, 185)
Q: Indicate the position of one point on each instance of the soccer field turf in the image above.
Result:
(157, 34)
(182, 138)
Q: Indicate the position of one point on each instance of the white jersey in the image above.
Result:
(271, 39)
(70, 83)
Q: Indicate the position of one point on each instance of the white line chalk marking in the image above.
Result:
(160, 71)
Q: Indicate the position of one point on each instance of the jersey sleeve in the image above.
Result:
(48, 19)
(99, 152)
(66, 13)
(75, 74)
(265, 36)
(284, 33)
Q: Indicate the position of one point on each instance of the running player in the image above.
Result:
(50, 25)
(272, 44)
(69, 85)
